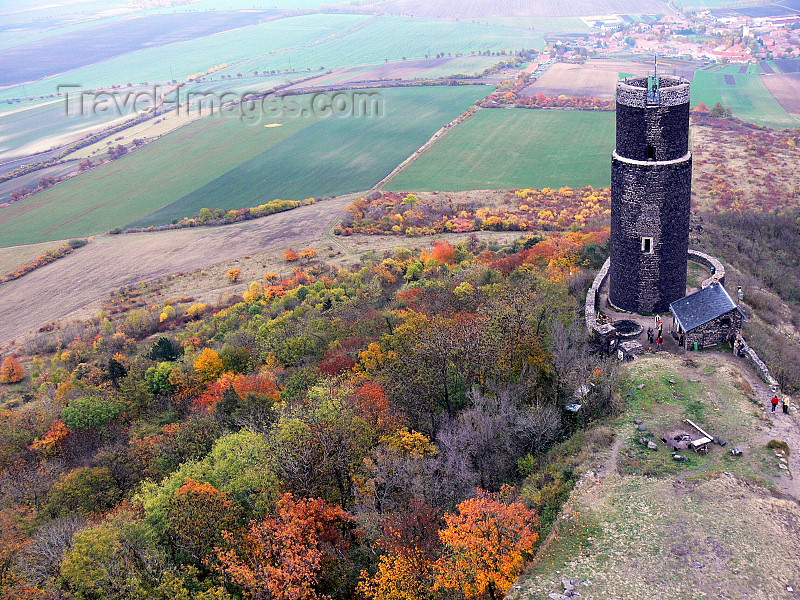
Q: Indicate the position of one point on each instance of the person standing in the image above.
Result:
(786, 405)
(774, 403)
(650, 334)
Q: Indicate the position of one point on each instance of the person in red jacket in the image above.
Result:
(774, 403)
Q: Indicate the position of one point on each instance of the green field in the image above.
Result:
(333, 155)
(303, 157)
(135, 185)
(184, 58)
(508, 148)
(749, 99)
(411, 38)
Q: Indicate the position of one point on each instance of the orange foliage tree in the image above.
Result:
(262, 384)
(11, 371)
(485, 545)
(405, 571)
(290, 255)
(443, 253)
(282, 557)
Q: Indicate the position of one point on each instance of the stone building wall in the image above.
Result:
(715, 332)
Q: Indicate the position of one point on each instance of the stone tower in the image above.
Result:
(651, 179)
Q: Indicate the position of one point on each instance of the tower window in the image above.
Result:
(651, 153)
(647, 245)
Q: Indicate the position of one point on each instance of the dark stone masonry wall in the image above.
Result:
(661, 128)
(651, 178)
(715, 332)
(651, 201)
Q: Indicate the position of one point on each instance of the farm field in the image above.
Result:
(335, 155)
(135, 185)
(41, 127)
(413, 38)
(593, 78)
(185, 58)
(506, 148)
(748, 97)
(31, 180)
(785, 87)
(46, 57)
(480, 9)
(545, 24)
(147, 180)
(109, 262)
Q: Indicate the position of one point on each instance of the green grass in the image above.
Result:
(506, 148)
(332, 155)
(749, 99)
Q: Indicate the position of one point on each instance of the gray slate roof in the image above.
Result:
(703, 306)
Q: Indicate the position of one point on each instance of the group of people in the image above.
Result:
(785, 404)
(657, 334)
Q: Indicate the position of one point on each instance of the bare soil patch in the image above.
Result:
(593, 78)
(786, 89)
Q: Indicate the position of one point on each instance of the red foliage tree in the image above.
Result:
(282, 557)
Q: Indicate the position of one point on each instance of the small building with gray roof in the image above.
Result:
(707, 317)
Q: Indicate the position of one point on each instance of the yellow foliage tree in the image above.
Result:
(208, 365)
(307, 253)
(254, 292)
(195, 310)
(234, 275)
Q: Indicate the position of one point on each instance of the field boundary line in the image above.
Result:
(422, 149)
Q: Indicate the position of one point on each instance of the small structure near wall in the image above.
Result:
(706, 318)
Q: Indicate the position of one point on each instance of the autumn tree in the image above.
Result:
(195, 518)
(208, 365)
(307, 254)
(290, 255)
(11, 371)
(282, 557)
(411, 544)
(443, 253)
(234, 275)
(485, 545)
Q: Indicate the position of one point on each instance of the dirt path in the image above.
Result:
(73, 283)
(781, 427)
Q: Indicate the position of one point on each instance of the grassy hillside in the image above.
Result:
(516, 148)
